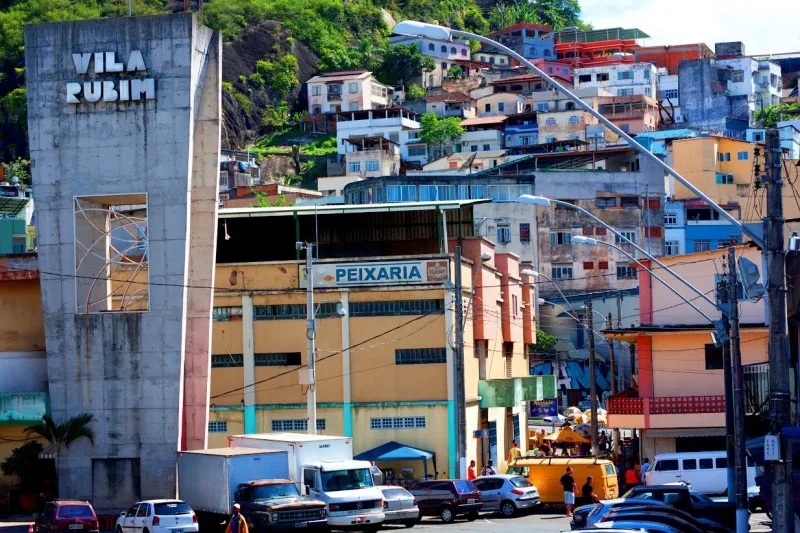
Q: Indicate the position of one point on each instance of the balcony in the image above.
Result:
(666, 412)
(334, 97)
(23, 408)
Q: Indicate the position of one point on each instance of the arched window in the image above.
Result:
(431, 47)
(444, 49)
(464, 52)
(570, 106)
(546, 52)
(551, 121)
(444, 65)
(574, 119)
(453, 50)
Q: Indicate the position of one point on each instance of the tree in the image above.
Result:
(367, 54)
(18, 168)
(558, 13)
(280, 76)
(437, 131)
(24, 463)
(404, 63)
(525, 12)
(455, 72)
(544, 342)
(415, 92)
(769, 116)
(63, 434)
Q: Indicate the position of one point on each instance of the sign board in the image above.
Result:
(378, 273)
(772, 448)
(112, 80)
(481, 433)
(542, 408)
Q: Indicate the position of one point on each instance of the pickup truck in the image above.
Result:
(276, 504)
(682, 497)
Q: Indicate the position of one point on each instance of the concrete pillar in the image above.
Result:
(248, 355)
(449, 328)
(347, 391)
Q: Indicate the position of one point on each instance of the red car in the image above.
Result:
(447, 498)
(67, 515)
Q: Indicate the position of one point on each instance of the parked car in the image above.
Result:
(158, 516)
(706, 471)
(66, 515)
(643, 527)
(588, 515)
(507, 493)
(670, 516)
(682, 497)
(399, 506)
(447, 498)
(270, 504)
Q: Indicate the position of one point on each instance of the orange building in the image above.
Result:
(669, 57)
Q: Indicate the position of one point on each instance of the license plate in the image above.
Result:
(360, 519)
(471, 500)
(301, 524)
(76, 526)
(176, 531)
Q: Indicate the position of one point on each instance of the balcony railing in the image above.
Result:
(666, 405)
(334, 97)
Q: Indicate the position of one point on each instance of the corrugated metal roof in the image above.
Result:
(312, 209)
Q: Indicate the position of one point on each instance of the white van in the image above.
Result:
(348, 491)
(706, 471)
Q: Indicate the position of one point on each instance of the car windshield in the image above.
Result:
(75, 511)
(465, 486)
(172, 508)
(267, 492)
(357, 478)
(520, 482)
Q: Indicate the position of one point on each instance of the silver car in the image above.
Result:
(507, 493)
(399, 507)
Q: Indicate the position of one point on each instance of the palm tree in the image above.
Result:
(62, 434)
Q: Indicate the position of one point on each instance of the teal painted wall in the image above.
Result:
(8, 228)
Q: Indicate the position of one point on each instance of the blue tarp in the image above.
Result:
(395, 451)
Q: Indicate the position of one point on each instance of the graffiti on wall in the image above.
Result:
(574, 375)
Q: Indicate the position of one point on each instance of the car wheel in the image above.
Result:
(508, 509)
(446, 514)
(410, 523)
(472, 516)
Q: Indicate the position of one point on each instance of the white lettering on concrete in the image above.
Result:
(123, 90)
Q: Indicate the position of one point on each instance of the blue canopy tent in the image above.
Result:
(395, 451)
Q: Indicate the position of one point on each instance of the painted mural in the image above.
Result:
(574, 375)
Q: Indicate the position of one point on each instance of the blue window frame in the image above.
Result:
(420, 356)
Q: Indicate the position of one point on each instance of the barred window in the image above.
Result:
(218, 426)
(292, 311)
(396, 308)
(223, 314)
(402, 422)
(227, 360)
(420, 356)
(297, 424)
(277, 359)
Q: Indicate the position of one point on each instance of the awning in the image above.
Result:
(511, 392)
(396, 451)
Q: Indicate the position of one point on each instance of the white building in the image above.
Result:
(669, 95)
(620, 80)
(493, 58)
(397, 124)
(744, 73)
(346, 91)
(499, 104)
(674, 228)
(789, 131)
(482, 134)
(769, 84)
(445, 53)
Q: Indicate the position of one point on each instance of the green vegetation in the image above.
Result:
(280, 142)
(415, 92)
(279, 76)
(18, 167)
(544, 342)
(455, 72)
(437, 131)
(263, 201)
(404, 63)
(557, 13)
(769, 116)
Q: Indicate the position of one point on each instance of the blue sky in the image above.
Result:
(764, 27)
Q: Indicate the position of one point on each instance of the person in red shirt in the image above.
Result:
(471, 470)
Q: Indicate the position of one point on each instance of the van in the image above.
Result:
(348, 491)
(545, 473)
(707, 472)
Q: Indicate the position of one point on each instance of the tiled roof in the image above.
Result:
(456, 96)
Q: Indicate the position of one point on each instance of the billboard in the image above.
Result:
(378, 273)
(542, 408)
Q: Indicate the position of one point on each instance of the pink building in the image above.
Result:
(633, 114)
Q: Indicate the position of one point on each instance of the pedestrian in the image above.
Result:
(238, 524)
(488, 470)
(542, 435)
(645, 468)
(568, 482)
(631, 478)
(587, 492)
(544, 449)
(471, 470)
(514, 453)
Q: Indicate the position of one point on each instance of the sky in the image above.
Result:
(765, 27)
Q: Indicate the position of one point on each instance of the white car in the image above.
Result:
(158, 516)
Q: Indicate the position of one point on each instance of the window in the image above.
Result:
(722, 462)
(227, 360)
(584, 78)
(561, 272)
(434, 192)
(546, 52)
(525, 232)
(218, 426)
(224, 314)
(444, 65)
(701, 246)
(550, 121)
(737, 76)
(666, 465)
(396, 308)
(353, 106)
(713, 357)
(487, 147)
(476, 191)
(431, 48)
(742, 156)
(569, 106)
(473, 148)
(607, 202)
(560, 237)
(291, 311)
(602, 265)
(417, 151)
(394, 137)
(671, 94)
(297, 424)
(724, 179)
(624, 92)
(317, 110)
(602, 77)
(629, 201)
(588, 265)
(277, 359)
(443, 49)
(453, 50)
(573, 119)
(625, 127)
(487, 108)
(401, 193)
(630, 235)
(420, 356)
(542, 106)
(625, 75)
(373, 165)
(690, 464)
(355, 166)
(724, 156)
(501, 106)
(706, 464)
(625, 272)
(464, 52)
(401, 422)
(550, 139)
(671, 247)
(503, 234)
(647, 74)
(352, 87)
(316, 90)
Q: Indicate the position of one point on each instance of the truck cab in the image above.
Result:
(348, 491)
(276, 504)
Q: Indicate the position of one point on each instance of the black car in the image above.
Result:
(447, 498)
(694, 503)
(672, 517)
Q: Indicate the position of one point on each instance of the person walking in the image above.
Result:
(631, 478)
(471, 470)
(238, 524)
(488, 470)
(568, 482)
(514, 453)
(587, 492)
(645, 468)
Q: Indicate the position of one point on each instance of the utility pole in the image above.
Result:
(742, 514)
(779, 393)
(311, 333)
(727, 373)
(613, 363)
(592, 384)
(458, 371)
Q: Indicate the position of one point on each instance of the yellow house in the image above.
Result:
(385, 342)
(680, 405)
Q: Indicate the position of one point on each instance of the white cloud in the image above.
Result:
(769, 27)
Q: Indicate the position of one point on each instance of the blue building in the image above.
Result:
(531, 41)
(522, 129)
(692, 226)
